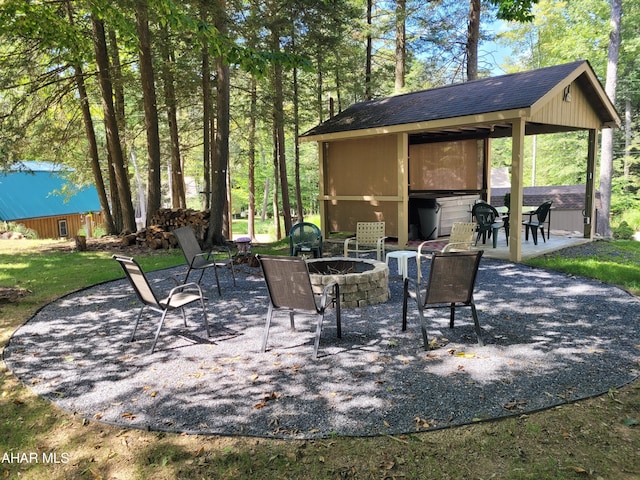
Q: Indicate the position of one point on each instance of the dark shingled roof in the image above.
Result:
(505, 92)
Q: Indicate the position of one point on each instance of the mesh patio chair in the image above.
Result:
(179, 297)
(451, 282)
(538, 224)
(488, 222)
(290, 289)
(460, 239)
(305, 238)
(197, 259)
(370, 237)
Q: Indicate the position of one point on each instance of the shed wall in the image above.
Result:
(577, 112)
(361, 167)
(47, 227)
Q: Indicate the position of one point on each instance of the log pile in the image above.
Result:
(159, 234)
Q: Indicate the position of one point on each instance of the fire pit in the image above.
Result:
(362, 281)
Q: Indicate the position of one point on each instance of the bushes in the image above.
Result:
(18, 228)
(623, 231)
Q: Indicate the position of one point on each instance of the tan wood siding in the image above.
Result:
(361, 167)
(48, 227)
(575, 113)
(342, 216)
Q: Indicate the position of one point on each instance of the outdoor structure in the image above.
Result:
(38, 196)
(385, 159)
(568, 204)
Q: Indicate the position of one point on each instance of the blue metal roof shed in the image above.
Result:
(34, 190)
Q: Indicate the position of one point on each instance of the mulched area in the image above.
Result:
(550, 339)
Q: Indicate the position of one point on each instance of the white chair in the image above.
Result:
(461, 239)
(369, 237)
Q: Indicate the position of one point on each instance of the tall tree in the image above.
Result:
(149, 99)
(401, 44)
(606, 153)
(113, 137)
(94, 156)
(369, 54)
(473, 36)
(220, 160)
(168, 61)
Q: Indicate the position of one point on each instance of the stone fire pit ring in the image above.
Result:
(362, 281)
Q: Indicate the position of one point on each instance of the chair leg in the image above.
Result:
(423, 322)
(266, 328)
(423, 328)
(135, 327)
(215, 270)
(155, 340)
(186, 277)
(534, 235)
(526, 232)
(233, 272)
(316, 344)
(452, 314)
(184, 316)
(337, 303)
(476, 323)
(405, 299)
(204, 314)
(542, 231)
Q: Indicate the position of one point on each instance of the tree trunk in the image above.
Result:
(178, 196)
(278, 121)
(113, 137)
(274, 201)
(220, 163)
(149, 100)
(606, 157)
(401, 44)
(206, 114)
(118, 90)
(626, 168)
(118, 100)
(91, 140)
(296, 144)
(252, 160)
(473, 34)
(367, 69)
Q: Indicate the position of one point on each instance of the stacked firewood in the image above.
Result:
(159, 234)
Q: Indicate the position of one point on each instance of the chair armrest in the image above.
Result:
(325, 293)
(206, 256)
(346, 244)
(181, 288)
(421, 246)
(459, 245)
